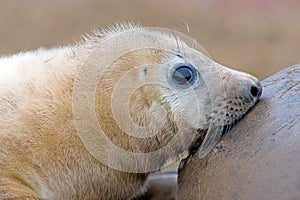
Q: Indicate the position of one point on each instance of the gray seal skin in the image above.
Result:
(45, 155)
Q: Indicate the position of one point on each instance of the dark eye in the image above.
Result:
(184, 74)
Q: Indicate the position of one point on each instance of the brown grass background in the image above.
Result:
(256, 36)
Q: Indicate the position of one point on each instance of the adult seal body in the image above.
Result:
(93, 119)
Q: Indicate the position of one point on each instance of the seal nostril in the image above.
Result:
(256, 90)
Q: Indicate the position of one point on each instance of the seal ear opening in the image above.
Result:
(143, 71)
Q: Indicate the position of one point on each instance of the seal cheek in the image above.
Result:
(159, 115)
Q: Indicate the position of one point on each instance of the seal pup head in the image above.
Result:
(156, 94)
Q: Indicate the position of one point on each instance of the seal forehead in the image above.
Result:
(136, 36)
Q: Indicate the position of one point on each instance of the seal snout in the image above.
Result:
(249, 86)
(242, 93)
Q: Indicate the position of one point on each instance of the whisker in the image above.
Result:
(186, 26)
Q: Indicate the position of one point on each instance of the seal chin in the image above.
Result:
(194, 147)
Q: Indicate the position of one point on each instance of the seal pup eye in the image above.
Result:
(184, 74)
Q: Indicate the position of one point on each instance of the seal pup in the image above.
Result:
(152, 93)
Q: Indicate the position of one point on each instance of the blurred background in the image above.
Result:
(256, 36)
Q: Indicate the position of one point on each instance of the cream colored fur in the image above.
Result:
(41, 155)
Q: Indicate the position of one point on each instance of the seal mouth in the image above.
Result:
(194, 147)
